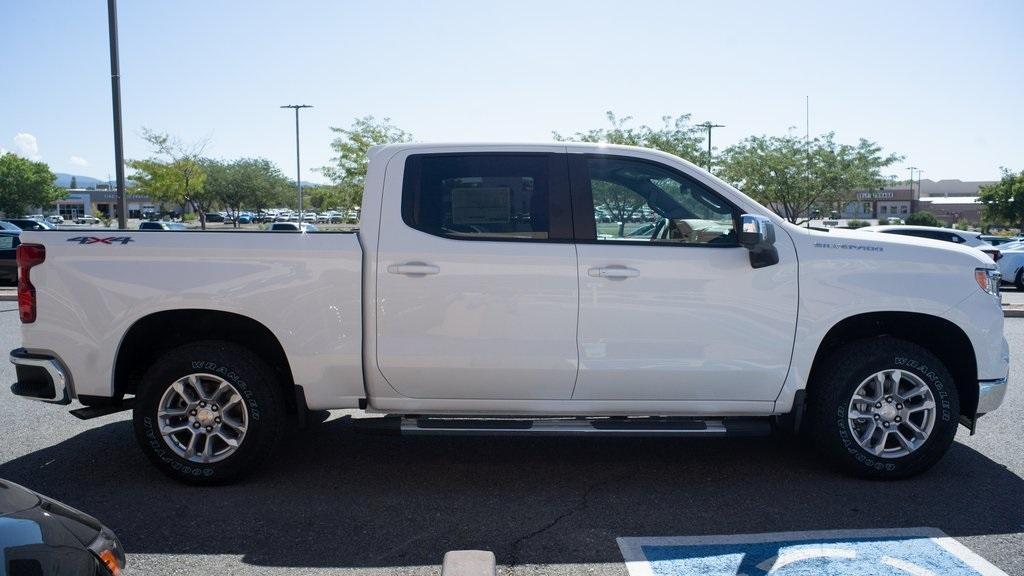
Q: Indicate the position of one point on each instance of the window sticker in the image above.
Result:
(481, 205)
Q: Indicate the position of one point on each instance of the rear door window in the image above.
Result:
(519, 197)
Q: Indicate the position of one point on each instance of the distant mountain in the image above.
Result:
(64, 180)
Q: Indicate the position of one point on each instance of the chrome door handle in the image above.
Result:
(613, 272)
(413, 269)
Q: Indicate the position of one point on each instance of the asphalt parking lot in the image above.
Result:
(338, 502)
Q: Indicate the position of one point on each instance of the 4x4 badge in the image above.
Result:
(97, 240)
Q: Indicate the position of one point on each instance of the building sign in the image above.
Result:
(881, 195)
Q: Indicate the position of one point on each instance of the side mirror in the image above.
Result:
(758, 236)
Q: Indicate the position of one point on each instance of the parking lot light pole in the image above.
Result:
(709, 126)
(115, 91)
(298, 170)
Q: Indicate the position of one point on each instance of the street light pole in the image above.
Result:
(298, 170)
(709, 126)
(115, 90)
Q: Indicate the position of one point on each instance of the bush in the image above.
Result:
(922, 219)
(854, 224)
(189, 217)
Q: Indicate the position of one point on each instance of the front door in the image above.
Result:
(477, 295)
(670, 307)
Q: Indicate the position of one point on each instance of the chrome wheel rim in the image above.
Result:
(203, 418)
(892, 413)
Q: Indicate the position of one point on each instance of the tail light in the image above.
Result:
(28, 255)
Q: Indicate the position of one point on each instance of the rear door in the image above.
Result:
(477, 295)
(670, 307)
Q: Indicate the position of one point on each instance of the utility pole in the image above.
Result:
(115, 89)
(298, 170)
(709, 127)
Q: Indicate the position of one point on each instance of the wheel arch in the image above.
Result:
(153, 335)
(943, 338)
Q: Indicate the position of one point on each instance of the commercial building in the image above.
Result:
(101, 202)
(880, 204)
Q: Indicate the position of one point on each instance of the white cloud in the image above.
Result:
(78, 161)
(27, 145)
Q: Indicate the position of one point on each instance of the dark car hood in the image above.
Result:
(14, 498)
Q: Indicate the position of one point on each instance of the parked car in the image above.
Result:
(89, 220)
(998, 240)
(454, 315)
(162, 226)
(293, 227)
(1011, 265)
(39, 535)
(9, 241)
(8, 227)
(214, 217)
(55, 219)
(966, 238)
(30, 224)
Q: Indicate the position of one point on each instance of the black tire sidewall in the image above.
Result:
(834, 388)
(247, 373)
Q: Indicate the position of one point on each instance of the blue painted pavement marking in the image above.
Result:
(888, 552)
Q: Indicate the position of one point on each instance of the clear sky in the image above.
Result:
(939, 82)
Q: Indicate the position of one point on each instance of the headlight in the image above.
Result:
(108, 549)
(988, 280)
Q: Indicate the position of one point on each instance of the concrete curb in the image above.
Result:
(1013, 311)
(8, 296)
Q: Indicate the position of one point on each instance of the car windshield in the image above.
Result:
(9, 227)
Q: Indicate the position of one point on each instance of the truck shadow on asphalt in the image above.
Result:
(334, 497)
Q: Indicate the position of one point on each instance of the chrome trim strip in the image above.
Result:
(991, 394)
(54, 369)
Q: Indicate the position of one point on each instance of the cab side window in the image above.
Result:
(638, 201)
(479, 196)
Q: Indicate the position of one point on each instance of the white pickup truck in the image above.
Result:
(519, 289)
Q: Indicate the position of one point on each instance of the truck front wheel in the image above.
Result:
(208, 412)
(882, 408)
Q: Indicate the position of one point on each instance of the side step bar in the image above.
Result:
(643, 427)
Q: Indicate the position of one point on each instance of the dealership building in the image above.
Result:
(880, 204)
(101, 202)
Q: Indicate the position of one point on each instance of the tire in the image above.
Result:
(1018, 281)
(832, 418)
(253, 410)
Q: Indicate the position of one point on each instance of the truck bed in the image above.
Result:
(305, 288)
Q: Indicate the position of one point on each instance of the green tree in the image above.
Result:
(676, 136)
(25, 184)
(1004, 201)
(175, 174)
(74, 183)
(792, 176)
(922, 219)
(348, 168)
(253, 183)
(323, 198)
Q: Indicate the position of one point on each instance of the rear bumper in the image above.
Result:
(40, 377)
(991, 394)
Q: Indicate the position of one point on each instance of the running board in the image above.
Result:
(641, 427)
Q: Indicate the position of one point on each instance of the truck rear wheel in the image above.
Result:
(208, 412)
(882, 408)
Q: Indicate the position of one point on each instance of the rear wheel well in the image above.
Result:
(154, 335)
(938, 335)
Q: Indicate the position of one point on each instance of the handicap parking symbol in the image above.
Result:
(888, 552)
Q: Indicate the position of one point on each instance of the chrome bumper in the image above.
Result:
(41, 377)
(991, 394)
